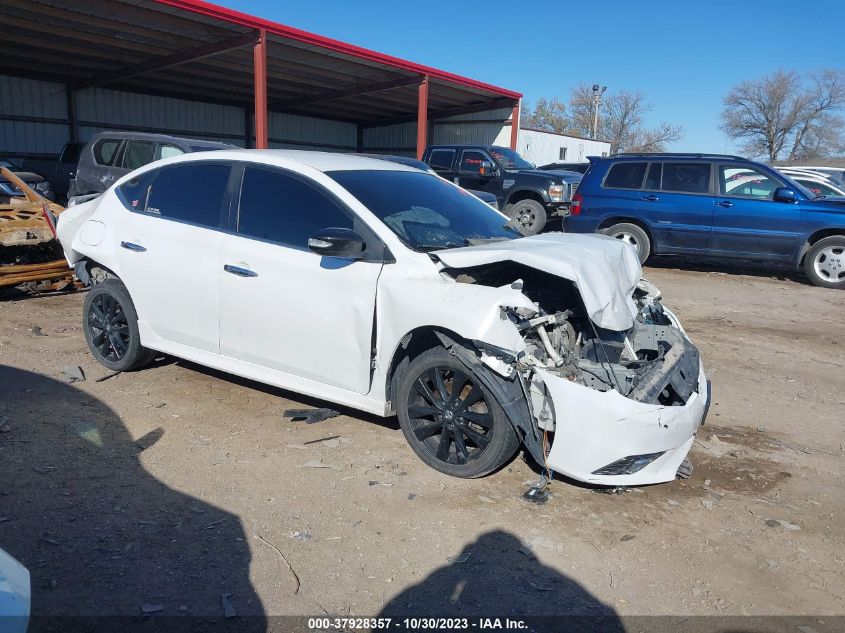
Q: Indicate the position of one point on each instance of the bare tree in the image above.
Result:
(548, 115)
(783, 113)
(621, 121)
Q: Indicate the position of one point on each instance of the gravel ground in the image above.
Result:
(160, 490)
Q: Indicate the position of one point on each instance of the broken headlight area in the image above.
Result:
(628, 465)
(652, 362)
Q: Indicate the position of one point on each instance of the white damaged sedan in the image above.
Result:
(380, 287)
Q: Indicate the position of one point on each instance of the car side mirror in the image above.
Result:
(337, 242)
(486, 168)
(784, 194)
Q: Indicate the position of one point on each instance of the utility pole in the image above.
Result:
(598, 91)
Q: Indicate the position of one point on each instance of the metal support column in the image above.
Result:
(422, 118)
(515, 125)
(259, 66)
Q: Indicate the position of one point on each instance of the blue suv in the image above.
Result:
(713, 206)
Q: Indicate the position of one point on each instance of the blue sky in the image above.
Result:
(683, 55)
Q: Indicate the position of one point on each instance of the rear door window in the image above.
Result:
(626, 175)
(441, 159)
(105, 150)
(137, 154)
(190, 192)
(686, 177)
(279, 207)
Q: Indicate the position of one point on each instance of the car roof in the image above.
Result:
(147, 136)
(321, 161)
(674, 156)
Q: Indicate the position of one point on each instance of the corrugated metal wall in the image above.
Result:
(37, 112)
(34, 119)
(98, 109)
(291, 131)
(478, 128)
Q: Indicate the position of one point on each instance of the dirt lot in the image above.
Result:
(171, 486)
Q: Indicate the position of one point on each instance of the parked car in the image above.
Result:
(527, 195)
(9, 192)
(110, 155)
(484, 196)
(384, 288)
(836, 172)
(14, 595)
(712, 206)
(65, 168)
(818, 183)
(580, 168)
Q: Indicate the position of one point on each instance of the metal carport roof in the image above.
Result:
(196, 50)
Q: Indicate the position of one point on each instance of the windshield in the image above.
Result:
(509, 159)
(425, 211)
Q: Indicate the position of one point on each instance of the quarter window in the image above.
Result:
(191, 192)
(746, 182)
(441, 159)
(279, 207)
(166, 151)
(686, 177)
(133, 193)
(625, 175)
(105, 149)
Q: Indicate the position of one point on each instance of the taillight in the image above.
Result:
(575, 207)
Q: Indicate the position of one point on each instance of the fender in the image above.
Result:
(522, 188)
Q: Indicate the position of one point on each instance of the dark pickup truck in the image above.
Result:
(525, 194)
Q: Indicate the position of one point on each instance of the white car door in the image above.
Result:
(284, 307)
(169, 249)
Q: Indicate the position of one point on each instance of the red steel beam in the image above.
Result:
(515, 125)
(259, 68)
(238, 17)
(422, 118)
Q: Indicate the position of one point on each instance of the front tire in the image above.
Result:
(824, 263)
(530, 215)
(452, 422)
(633, 235)
(110, 323)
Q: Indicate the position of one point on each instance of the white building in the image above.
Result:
(542, 148)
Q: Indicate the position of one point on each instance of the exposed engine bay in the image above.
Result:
(652, 362)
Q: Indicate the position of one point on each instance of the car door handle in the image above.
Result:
(725, 204)
(651, 198)
(135, 248)
(240, 272)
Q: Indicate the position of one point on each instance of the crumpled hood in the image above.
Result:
(605, 270)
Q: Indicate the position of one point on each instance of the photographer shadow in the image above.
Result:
(106, 543)
(498, 576)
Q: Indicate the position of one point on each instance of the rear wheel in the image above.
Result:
(633, 235)
(824, 263)
(530, 215)
(111, 327)
(451, 421)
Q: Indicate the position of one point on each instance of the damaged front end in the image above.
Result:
(622, 406)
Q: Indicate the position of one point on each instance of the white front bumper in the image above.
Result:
(594, 429)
